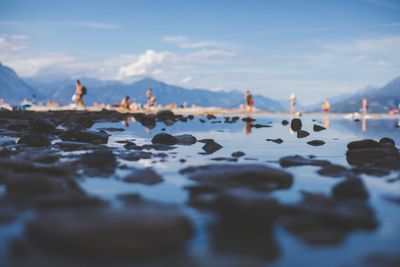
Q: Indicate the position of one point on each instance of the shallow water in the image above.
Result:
(240, 137)
(237, 136)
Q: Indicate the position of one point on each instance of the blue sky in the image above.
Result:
(312, 48)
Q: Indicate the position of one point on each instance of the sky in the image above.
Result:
(315, 49)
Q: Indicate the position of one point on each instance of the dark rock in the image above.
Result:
(302, 134)
(316, 143)
(185, 139)
(86, 136)
(255, 176)
(260, 125)
(248, 119)
(164, 139)
(164, 115)
(367, 143)
(277, 141)
(34, 139)
(111, 129)
(144, 232)
(238, 154)
(73, 146)
(211, 117)
(318, 128)
(45, 126)
(143, 176)
(352, 188)
(285, 122)
(296, 124)
(297, 160)
(333, 170)
(322, 220)
(211, 146)
(136, 155)
(387, 140)
(225, 159)
(100, 162)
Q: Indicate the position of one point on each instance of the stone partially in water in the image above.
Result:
(86, 136)
(318, 128)
(351, 188)
(259, 177)
(302, 134)
(387, 140)
(238, 154)
(186, 139)
(145, 176)
(144, 231)
(296, 125)
(164, 139)
(211, 147)
(101, 163)
(277, 141)
(333, 170)
(34, 139)
(296, 160)
(316, 143)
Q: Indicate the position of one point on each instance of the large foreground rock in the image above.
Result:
(254, 176)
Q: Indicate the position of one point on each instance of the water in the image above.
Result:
(240, 137)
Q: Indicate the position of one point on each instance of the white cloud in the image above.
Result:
(146, 64)
(92, 25)
(377, 45)
(184, 42)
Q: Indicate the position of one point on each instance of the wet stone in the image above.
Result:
(318, 128)
(302, 134)
(259, 177)
(186, 139)
(145, 231)
(333, 170)
(277, 141)
(73, 146)
(211, 146)
(100, 162)
(351, 188)
(387, 140)
(238, 154)
(86, 136)
(164, 139)
(145, 176)
(316, 143)
(296, 160)
(136, 155)
(34, 139)
(111, 129)
(296, 125)
(285, 122)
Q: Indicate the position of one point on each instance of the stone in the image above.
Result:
(302, 134)
(111, 129)
(34, 139)
(285, 122)
(366, 143)
(277, 141)
(318, 128)
(387, 140)
(44, 126)
(136, 155)
(211, 146)
(296, 160)
(316, 143)
(186, 139)
(74, 146)
(256, 176)
(164, 115)
(164, 139)
(143, 176)
(351, 188)
(295, 124)
(99, 163)
(333, 170)
(238, 154)
(86, 136)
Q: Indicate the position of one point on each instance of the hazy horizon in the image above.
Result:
(274, 48)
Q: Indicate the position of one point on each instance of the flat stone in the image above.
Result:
(164, 139)
(318, 128)
(238, 154)
(316, 143)
(211, 147)
(143, 176)
(277, 141)
(86, 136)
(34, 139)
(296, 160)
(302, 134)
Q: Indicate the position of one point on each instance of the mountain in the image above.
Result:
(13, 89)
(113, 91)
(380, 100)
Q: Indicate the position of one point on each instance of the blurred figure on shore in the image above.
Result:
(149, 95)
(292, 103)
(80, 91)
(364, 105)
(125, 103)
(326, 106)
(248, 97)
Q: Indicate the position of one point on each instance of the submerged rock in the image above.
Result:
(296, 160)
(143, 176)
(260, 177)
